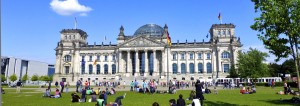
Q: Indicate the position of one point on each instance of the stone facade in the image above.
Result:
(146, 54)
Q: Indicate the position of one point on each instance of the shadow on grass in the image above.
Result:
(280, 102)
(218, 103)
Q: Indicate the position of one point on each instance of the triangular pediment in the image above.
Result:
(141, 41)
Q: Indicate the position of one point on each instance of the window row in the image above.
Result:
(98, 69)
(98, 58)
(224, 32)
(200, 68)
(191, 56)
(69, 36)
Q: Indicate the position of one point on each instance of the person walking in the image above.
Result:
(49, 86)
(199, 93)
(131, 86)
(62, 85)
(77, 85)
(19, 84)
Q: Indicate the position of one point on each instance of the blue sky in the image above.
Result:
(30, 28)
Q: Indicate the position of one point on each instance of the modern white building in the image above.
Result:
(146, 54)
(18, 66)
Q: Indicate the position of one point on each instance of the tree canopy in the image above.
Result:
(34, 78)
(13, 77)
(25, 77)
(279, 28)
(250, 64)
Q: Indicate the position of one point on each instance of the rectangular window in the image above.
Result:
(208, 56)
(224, 32)
(174, 56)
(67, 69)
(98, 58)
(228, 32)
(191, 56)
(82, 58)
(91, 58)
(105, 58)
(199, 56)
(219, 32)
(114, 57)
(182, 56)
(226, 68)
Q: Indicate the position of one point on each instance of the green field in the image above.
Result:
(265, 96)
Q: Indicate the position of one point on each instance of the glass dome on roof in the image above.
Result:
(150, 29)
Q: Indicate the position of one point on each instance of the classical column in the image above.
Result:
(146, 62)
(204, 62)
(187, 65)
(137, 62)
(120, 63)
(195, 63)
(128, 62)
(178, 63)
(154, 62)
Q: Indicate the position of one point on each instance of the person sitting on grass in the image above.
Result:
(242, 90)
(155, 104)
(100, 101)
(75, 97)
(253, 89)
(113, 91)
(93, 98)
(207, 91)
(47, 93)
(215, 90)
(104, 96)
(57, 94)
(172, 102)
(192, 95)
(180, 101)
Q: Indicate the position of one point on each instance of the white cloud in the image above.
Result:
(69, 7)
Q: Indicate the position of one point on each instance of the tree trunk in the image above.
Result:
(295, 59)
(297, 62)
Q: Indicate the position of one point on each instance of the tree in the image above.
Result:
(25, 77)
(279, 28)
(275, 69)
(232, 72)
(3, 78)
(44, 78)
(13, 78)
(34, 78)
(250, 64)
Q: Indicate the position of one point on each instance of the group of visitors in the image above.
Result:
(249, 90)
(146, 87)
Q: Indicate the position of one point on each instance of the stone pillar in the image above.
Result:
(195, 63)
(178, 63)
(137, 63)
(120, 63)
(204, 62)
(154, 62)
(128, 62)
(109, 58)
(187, 65)
(146, 63)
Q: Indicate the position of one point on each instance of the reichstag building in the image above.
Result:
(146, 55)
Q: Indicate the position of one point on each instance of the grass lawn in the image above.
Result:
(265, 96)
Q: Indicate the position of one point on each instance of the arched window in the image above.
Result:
(105, 69)
(98, 68)
(200, 68)
(82, 69)
(67, 58)
(66, 37)
(90, 69)
(113, 69)
(228, 32)
(225, 55)
(174, 68)
(69, 36)
(183, 68)
(192, 68)
(208, 68)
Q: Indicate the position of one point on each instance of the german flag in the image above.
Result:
(169, 39)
